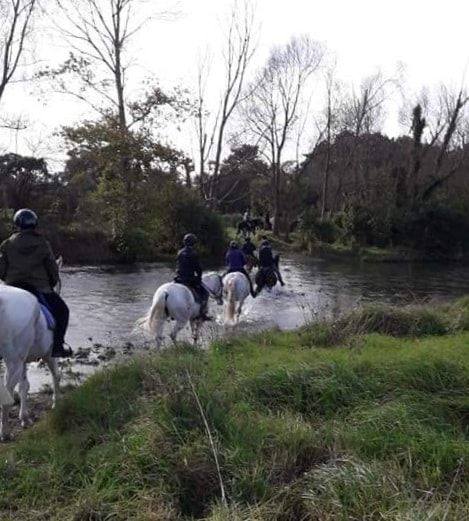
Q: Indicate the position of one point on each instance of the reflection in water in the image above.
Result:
(105, 302)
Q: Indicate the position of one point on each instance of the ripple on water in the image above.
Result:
(106, 301)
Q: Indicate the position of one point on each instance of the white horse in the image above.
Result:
(24, 337)
(235, 290)
(176, 301)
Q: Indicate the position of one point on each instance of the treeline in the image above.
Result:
(128, 189)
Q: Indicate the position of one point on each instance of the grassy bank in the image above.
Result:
(297, 243)
(364, 418)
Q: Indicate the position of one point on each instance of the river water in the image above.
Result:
(106, 301)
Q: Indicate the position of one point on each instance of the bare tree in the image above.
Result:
(438, 123)
(362, 113)
(272, 110)
(329, 127)
(98, 33)
(16, 18)
(238, 51)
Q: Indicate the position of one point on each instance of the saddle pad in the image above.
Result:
(48, 316)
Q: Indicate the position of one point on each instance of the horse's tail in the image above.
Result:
(158, 311)
(231, 299)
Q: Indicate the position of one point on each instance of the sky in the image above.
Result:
(429, 38)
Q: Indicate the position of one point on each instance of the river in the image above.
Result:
(106, 301)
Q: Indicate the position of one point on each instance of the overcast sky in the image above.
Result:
(429, 37)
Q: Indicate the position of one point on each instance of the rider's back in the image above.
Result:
(26, 257)
(235, 259)
(188, 266)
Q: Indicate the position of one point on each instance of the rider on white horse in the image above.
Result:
(27, 262)
(189, 273)
(236, 260)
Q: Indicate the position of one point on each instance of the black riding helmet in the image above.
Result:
(189, 239)
(25, 219)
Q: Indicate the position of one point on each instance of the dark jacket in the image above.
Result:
(266, 258)
(235, 259)
(188, 270)
(248, 249)
(26, 257)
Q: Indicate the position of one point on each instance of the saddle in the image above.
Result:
(50, 320)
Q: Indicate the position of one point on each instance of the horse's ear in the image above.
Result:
(60, 261)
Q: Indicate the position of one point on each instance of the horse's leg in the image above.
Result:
(240, 308)
(13, 372)
(54, 370)
(159, 332)
(177, 327)
(195, 327)
(23, 391)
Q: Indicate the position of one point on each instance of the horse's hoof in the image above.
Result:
(26, 422)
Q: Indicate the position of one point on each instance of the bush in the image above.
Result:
(317, 230)
(434, 230)
(410, 321)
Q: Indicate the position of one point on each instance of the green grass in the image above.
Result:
(374, 429)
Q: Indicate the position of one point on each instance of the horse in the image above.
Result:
(244, 228)
(25, 337)
(265, 277)
(235, 289)
(256, 224)
(249, 226)
(177, 302)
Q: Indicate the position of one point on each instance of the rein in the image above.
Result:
(212, 293)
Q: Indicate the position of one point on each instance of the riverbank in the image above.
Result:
(296, 243)
(362, 417)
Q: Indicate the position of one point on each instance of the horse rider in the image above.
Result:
(236, 260)
(27, 262)
(189, 273)
(267, 260)
(249, 250)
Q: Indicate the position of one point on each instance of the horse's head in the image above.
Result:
(214, 285)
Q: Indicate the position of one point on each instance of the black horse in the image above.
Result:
(245, 228)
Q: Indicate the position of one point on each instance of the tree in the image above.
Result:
(243, 180)
(20, 179)
(329, 127)
(237, 54)
(271, 111)
(16, 19)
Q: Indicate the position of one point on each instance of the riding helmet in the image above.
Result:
(265, 242)
(189, 239)
(233, 244)
(25, 219)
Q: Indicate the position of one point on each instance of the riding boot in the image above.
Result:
(61, 314)
(59, 351)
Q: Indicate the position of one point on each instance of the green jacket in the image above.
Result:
(26, 257)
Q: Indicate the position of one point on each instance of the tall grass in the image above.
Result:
(290, 431)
